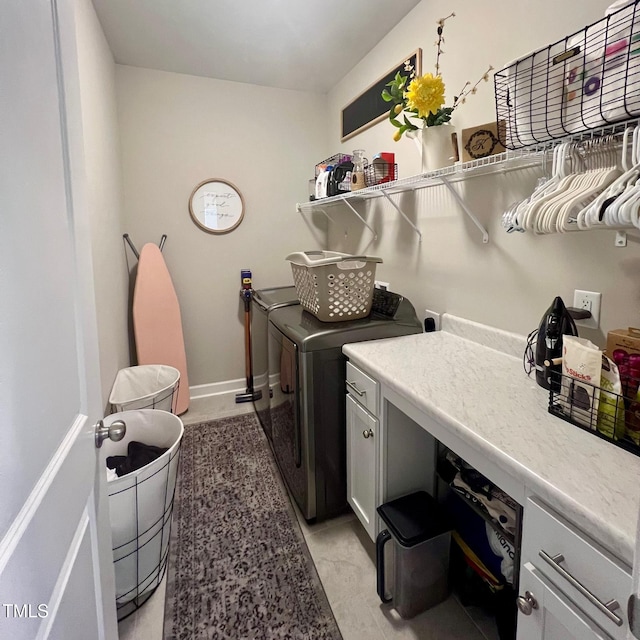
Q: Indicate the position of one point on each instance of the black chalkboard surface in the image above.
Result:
(369, 107)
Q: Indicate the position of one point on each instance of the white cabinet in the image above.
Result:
(577, 585)
(382, 463)
(362, 446)
(552, 616)
(362, 431)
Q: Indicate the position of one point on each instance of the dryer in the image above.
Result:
(263, 302)
(307, 410)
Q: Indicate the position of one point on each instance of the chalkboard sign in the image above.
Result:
(369, 107)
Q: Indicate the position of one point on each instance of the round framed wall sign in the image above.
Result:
(216, 206)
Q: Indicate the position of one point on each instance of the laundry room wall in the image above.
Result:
(510, 281)
(103, 179)
(178, 130)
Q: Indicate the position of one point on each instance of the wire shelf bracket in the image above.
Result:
(465, 208)
(302, 209)
(364, 222)
(403, 214)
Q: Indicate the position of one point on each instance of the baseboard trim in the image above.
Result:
(225, 388)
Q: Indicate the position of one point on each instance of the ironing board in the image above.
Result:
(157, 325)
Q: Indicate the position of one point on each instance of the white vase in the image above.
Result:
(435, 146)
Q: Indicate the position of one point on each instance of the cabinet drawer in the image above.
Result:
(363, 388)
(587, 575)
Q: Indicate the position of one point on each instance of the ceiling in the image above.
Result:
(288, 44)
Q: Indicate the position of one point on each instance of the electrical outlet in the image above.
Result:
(381, 285)
(589, 300)
(435, 316)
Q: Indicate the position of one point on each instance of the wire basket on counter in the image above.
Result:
(611, 416)
(584, 81)
(334, 286)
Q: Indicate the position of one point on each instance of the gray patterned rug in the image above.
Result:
(239, 567)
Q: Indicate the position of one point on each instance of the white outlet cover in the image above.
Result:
(590, 300)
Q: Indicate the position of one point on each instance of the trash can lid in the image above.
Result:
(414, 518)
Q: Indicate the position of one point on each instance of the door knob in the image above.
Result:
(115, 431)
(526, 603)
(368, 433)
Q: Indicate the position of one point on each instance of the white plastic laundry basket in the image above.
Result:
(148, 386)
(140, 505)
(334, 286)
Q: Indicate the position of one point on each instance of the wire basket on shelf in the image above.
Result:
(614, 417)
(380, 173)
(334, 286)
(584, 81)
(333, 160)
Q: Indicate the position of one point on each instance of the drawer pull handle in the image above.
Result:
(606, 608)
(354, 388)
(368, 433)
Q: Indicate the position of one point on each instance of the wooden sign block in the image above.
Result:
(480, 142)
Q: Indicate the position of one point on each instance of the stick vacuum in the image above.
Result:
(246, 293)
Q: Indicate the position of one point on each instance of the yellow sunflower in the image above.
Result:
(425, 94)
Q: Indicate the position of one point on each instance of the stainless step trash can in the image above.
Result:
(421, 535)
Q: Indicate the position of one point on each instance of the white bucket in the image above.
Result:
(141, 502)
(147, 386)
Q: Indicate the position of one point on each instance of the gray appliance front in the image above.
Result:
(308, 404)
(307, 427)
(263, 302)
(289, 439)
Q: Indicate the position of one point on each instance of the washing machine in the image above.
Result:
(308, 405)
(263, 301)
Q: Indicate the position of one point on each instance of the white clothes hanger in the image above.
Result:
(542, 207)
(593, 214)
(512, 217)
(558, 213)
(564, 155)
(605, 172)
(617, 212)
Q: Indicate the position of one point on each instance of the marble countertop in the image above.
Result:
(470, 379)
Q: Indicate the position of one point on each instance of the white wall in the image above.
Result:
(102, 163)
(512, 280)
(178, 130)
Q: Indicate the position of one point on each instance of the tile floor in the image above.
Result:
(345, 560)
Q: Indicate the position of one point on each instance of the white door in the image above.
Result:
(56, 573)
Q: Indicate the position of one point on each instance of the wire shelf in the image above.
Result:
(498, 163)
(583, 82)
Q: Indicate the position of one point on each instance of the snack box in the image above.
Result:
(626, 339)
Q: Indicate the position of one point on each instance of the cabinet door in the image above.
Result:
(362, 431)
(555, 617)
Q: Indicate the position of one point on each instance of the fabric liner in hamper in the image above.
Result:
(140, 505)
(147, 386)
(333, 286)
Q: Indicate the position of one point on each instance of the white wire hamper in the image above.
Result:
(334, 286)
(141, 505)
(146, 386)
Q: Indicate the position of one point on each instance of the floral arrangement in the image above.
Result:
(423, 97)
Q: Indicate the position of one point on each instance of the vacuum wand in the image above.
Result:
(246, 293)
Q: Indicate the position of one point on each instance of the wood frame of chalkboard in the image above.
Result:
(369, 108)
